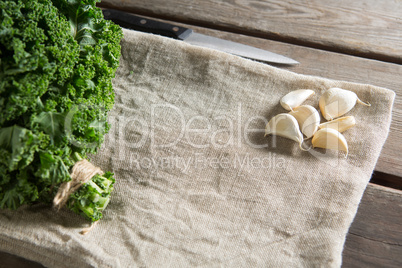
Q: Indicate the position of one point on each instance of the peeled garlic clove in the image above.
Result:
(336, 102)
(340, 124)
(308, 118)
(285, 125)
(329, 138)
(295, 98)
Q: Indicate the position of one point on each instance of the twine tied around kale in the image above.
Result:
(81, 173)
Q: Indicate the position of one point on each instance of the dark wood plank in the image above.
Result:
(375, 237)
(387, 180)
(366, 28)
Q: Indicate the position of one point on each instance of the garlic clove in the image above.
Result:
(329, 138)
(336, 102)
(340, 124)
(295, 98)
(285, 125)
(308, 118)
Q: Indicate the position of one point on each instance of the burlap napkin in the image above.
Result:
(198, 185)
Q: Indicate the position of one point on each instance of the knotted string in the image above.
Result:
(81, 173)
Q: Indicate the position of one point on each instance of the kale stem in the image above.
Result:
(77, 157)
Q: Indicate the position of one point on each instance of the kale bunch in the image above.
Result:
(57, 61)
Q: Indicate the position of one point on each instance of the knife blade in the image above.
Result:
(135, 22)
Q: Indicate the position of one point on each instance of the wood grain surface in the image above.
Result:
(374, 239)
(368, 28)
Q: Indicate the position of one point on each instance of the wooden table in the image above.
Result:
(356, 41)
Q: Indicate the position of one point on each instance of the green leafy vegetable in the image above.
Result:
(92, 198)
(57, 61)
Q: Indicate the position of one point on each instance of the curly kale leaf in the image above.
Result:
(17, 147)
(57, 62)
(52, 123)
(17, 193)
(52, 169)
(37, 51)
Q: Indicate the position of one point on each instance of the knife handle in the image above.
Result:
(134, 22)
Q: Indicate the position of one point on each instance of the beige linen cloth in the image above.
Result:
(198, 184)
